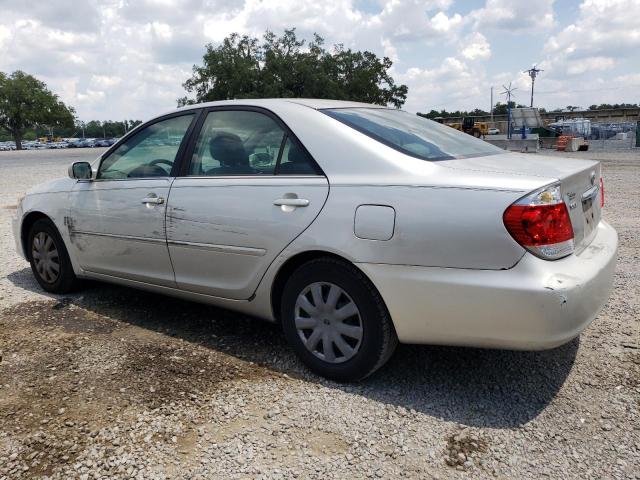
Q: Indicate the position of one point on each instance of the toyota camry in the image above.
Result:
(355, 226)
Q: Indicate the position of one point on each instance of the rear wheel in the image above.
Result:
(49, 259)
(336, 321)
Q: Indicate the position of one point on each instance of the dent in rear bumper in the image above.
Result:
(537, 304)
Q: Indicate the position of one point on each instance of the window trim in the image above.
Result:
(283, 143)
(288, 133)
(195, 112)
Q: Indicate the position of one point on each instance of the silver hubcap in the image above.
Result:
(328, 322)
(45, 257)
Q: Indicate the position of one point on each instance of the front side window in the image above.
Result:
(236, 142)
(150, 152)
(416, 136)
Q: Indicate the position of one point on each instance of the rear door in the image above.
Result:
(249, 189)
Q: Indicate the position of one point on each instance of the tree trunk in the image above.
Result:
(17, 137)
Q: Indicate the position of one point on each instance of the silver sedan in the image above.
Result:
(354, 225)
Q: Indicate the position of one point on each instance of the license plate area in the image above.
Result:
(591, 211)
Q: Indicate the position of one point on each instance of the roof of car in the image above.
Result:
(315, 103)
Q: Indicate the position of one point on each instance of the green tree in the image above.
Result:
(245, 67)
(434, 114)
(501, 108)
(26, 103)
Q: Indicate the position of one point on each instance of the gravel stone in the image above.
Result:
(114, 383)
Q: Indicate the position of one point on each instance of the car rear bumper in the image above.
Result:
(535, 305)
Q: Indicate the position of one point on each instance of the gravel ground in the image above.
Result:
(115, 383)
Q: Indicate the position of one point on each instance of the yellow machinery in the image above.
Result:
(48, 139)
(468, 125)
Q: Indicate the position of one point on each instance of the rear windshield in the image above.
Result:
(416, 136)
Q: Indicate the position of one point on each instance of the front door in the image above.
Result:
(249, 190)
(117, 221)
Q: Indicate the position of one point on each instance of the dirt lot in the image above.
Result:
(115, 383)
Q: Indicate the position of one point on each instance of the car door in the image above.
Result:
(117, 221)
(232, 212)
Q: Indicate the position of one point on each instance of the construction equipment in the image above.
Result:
(49, 139)
(470, 126)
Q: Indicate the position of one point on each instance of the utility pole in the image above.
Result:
(533, 73)
(491, 109)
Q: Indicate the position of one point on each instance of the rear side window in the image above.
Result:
(236, 142)
(244, 142)
(295, 161)
(413, 135)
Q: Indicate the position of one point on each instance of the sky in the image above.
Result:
(116, 59)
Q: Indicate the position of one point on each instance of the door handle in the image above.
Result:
(153, 201)
(291, 202)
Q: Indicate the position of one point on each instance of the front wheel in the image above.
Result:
(336, 321)
(49, 259)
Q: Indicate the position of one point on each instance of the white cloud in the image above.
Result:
(161, 30)
(68, 15)
(604, 36)
(451, 85)
(5, 34)
(128, 58)
(105, 81)
(441, 23)
(413, 20)
(476, 47)
(605, 28)
(514, 15)
(582, 65)
(389, 50)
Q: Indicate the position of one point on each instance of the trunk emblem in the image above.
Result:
(593, 178)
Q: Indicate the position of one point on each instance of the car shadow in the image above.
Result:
(474, 387)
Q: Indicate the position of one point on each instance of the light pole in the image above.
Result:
(533, 73)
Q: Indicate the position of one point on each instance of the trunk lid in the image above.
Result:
(580, 184)
(581, 193)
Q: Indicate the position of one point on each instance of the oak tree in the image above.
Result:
(26, 103)
(286, 66)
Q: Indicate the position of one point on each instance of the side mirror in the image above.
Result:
(80, 171)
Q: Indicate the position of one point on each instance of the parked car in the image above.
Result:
(493, 131)
(355, 226)
(81, 143)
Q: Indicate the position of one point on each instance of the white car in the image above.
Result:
(355, 225)
(493, 131)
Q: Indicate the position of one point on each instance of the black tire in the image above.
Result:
(379, 338)
(66, 280)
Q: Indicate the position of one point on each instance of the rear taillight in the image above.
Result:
(540, 222)
(601, 192)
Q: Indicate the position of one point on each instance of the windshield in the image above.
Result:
(411, 134)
